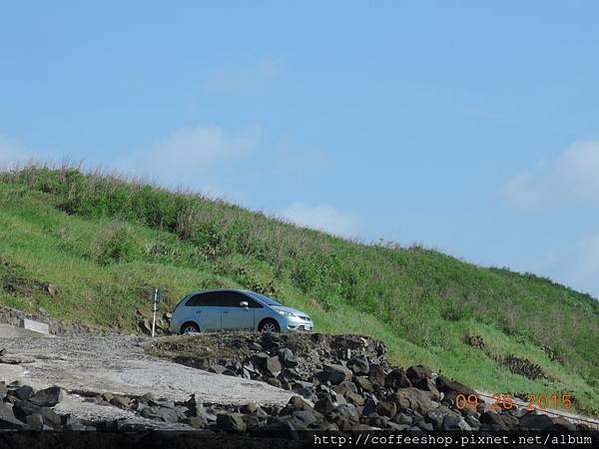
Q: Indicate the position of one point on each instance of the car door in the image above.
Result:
(234, 316)
(206, 311)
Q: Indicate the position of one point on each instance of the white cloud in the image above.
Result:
(189, 154)
(572, 177)
(323, 217)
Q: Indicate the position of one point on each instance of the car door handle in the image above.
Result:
(198, 311)
(225, 311)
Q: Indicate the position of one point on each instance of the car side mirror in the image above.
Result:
(244, 304)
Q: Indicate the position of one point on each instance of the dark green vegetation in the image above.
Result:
(104, 243)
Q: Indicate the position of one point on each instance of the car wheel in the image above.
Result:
(189, 328)
(269, 327)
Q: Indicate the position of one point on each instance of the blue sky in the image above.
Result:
(471, 127)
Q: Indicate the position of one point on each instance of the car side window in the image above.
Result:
(252, 304)
(221, 299)
(203, 300)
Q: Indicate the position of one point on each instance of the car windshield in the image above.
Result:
(265, 299)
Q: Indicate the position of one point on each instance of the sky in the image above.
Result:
(465, 126)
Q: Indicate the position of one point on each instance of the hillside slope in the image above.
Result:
(104, 243)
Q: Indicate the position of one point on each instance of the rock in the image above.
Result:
(216, 368)
(34, 422)
(531, 421)
(455, 422)
(50, 289)
(402, 418)
(302, 391)
(24, 392)
(345, 387)
(563, 425)
(370, 405)
(167, 414)
(354, 398)
(232, 422)
(47, 397)
(120, 401)
(426, 426)
(251, 422)
(419, 375)
(288, 359)
(473, 422)
(324, 404)
(363, 383)
(250, 407)
(8, 419)
(24, 409)
(413, 399)
(306, 417)
(266, 364)
(436, 416)
(296, 404)
(377, 374)
(197, 422)
(359, 365)
(496, 421)
(396, 379)
(145, 326)
(386, 408)
(335, 374)
(447, 385)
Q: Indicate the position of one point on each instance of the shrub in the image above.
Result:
(116, 244)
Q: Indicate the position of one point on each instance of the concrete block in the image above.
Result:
(35, 326)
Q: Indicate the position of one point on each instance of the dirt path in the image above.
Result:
(120, 365)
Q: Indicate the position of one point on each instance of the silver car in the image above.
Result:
(216, 310)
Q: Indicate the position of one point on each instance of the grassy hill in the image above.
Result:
(105, 242)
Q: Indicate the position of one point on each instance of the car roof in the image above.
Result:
(216, 290)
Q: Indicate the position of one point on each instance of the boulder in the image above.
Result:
(419, 375)
(359, 365)
(396, 379)
(532, 421)
(354, 398)
(377, 374)
(335, 374)
(412, 398)
(34, 422)
(8, 419)
(295, 404)
(386, 408)
(324, 404)
(287, 358)
(496, 421)
(50, 289)
(23, 392)
(120, 401)
(447, 385)
(231, 422)
(47, 397)
(250, 407)
(363, 383)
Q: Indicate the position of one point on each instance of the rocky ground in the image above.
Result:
(249, 384)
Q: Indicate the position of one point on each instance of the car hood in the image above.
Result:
(290, 309)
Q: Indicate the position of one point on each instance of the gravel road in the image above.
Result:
(120, 365)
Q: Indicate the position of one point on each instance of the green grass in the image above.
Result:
(105, 242)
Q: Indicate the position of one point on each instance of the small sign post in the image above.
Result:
(155, 303)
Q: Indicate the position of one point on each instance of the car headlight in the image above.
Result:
(286, 313)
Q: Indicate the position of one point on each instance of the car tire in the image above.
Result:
(269, 326)
(189, 328)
